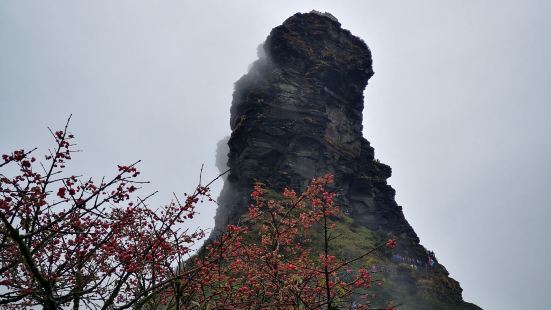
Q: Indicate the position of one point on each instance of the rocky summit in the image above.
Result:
(297, 114)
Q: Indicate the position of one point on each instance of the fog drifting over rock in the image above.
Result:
(458, 106)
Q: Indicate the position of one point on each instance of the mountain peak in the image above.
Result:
(297, 114)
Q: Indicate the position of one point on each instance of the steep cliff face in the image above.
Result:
(297, 114)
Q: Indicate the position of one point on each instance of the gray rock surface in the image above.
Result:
(296, 115)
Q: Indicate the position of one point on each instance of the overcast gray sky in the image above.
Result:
(459, 107)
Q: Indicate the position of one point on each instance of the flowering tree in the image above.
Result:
(268, 260)
(71, 242)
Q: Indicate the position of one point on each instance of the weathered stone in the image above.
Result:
(297, 114)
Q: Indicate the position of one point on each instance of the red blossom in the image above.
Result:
(289, 193)
(61, 192)
(258, 192)
(291, 267)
